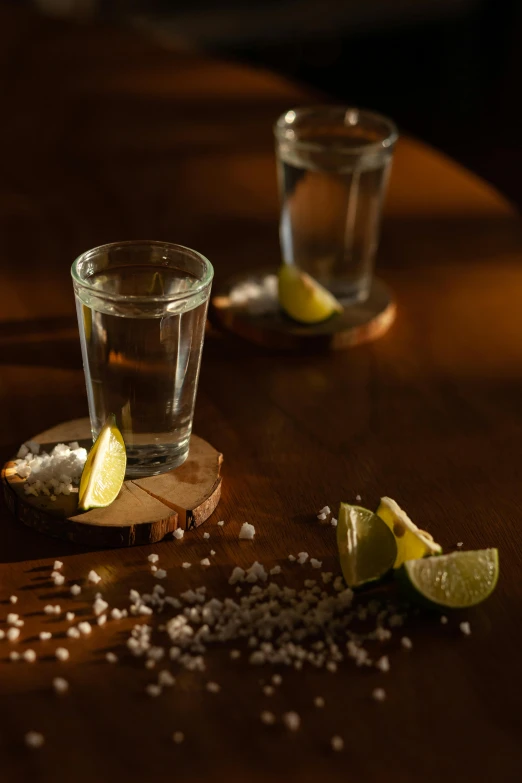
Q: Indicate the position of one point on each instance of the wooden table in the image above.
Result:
(107, 136)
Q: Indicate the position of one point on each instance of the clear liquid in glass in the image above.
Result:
(331, 206)
(142, 359)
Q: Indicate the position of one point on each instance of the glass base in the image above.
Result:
(143, 461)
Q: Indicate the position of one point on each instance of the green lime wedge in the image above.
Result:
(303, 298)
(367, 548)
(455, 581)
(104, 470)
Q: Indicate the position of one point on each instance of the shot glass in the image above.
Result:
(333, 168)
(141, 312)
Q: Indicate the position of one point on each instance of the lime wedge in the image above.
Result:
(455, 581)
(303, 298)
(412, 542)
(104, 470)
(367, 548)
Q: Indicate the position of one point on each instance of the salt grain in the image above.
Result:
(268, 690)
(275, 570)
(333, 522)
(33, 739)
(160, 573)
(57, 565)
(235, 654)
(221, 523)
(14, 656)
(178, 533)
(12, 618)
(153, 558)
(268, 718)
(406, 642)
(291, 720)
(212, 553)
(383, 664)
(75, 590)
(178, 737)
(84, 628)
(277, 679)
(93, 577)
(213, 687)
(321, 517)
(291, 558)
(378, 694)
(185, 565)
(29, 656)
(247, 531)
(358, 498)
(166, 679)
(465, 627)
(13, 634)
(444, 619)
(60, 685)
(73, 633)
(13, 599)
(102, 619)
(116, 614)
(319, 702)
(302, 557)
(460, 543)
(205, 562)
(99, 606)
(153, 690)
(315, 563)
(70, 616)
(2, 634)
(62, 653)
(206, 535)
(110, 657)
(337, 743)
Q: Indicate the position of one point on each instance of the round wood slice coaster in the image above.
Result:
(359, 323)
(144, 512)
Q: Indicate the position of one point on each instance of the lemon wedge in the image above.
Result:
(303, 298)
(412, 543)
(104, 470)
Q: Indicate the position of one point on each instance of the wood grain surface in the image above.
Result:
(145, 511)
(106, 136)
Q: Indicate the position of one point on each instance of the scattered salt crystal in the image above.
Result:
(319, 702)
(13, 599)
(150, 664)
(160, 573)
(378, 694)
(465, 627)
(221, 523)
(383, 664)
(23, 451)
(358, 498)
(205, 562)
(302, 557)
(2, 633)
(60, 685)
(460, 543)
(206, 535)
(338, 584)
(61, 653)
(58, 580)
(70, 616)
(14, 656)
(237, 575)
(57, 565)
(153, 690)
(327, 577)
(178, 533)
(406, 642)
(12, 618)
(99, 606)
(93, 577)
(13, 634)
(443, 619)
(268, 690)
(235, 654)
(178, 737)
(29, 656)
(275, 570)
(337, 743)
(322, 517)
(291, 558)
(247, 531)
(185, 565)
(325, 510)
(277, 679)
(333, 522)
(153, 558)
(75, 590)
(102, 619)
(213, 687)
(212, 553)
(291, 720)
(110, 657)
(165, 678)
(73, 633)
(84, 628)
(116, 614)
(19, 623)
(331, 666)
(268, 718)
(315, 563)
(255, 572)
(153, 569)
(33, 739)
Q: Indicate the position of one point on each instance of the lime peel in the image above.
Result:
(303, 298)
(104, 470)
(367, 548)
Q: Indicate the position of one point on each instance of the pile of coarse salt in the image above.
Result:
(51, 474)
(256, 296)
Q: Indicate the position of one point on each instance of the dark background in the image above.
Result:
(448, 71)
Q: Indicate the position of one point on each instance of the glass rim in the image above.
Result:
(336, 111)
(201, 285)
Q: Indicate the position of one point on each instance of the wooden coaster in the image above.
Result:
(359, 323)
(144, 512)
